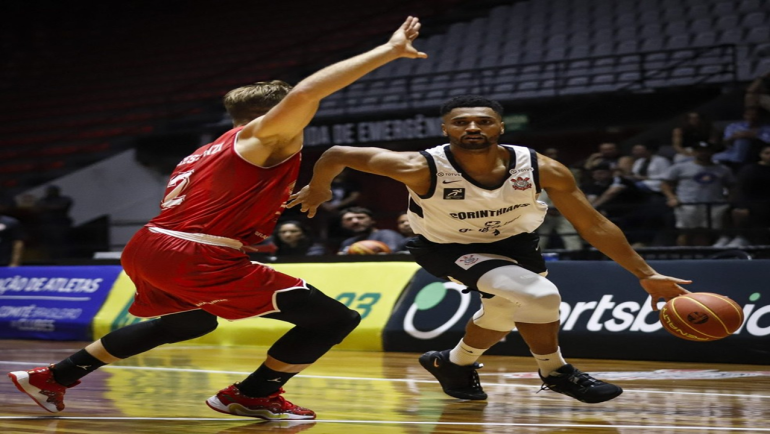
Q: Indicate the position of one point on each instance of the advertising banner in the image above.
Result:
(54, 303)
(371, 288)
(605, 313)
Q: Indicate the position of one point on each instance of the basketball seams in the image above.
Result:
(729, 301)
(679, 332)
(713, 315)
(683, 321)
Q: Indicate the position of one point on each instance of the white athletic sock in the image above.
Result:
(549, 362)
(464, 354)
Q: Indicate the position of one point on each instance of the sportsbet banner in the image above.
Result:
(371, 288)
(56, 303)
(604, 313)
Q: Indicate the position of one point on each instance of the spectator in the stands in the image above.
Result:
(758, 92)
(345, 193)
(751, 205)
(653, 216)
(648, 168)
(555, 154)
(360, 223)
(552, 153)
(405, 229)
(696, 191)
(744, 139)
(608, 154)
(617, 197)
(556, 226)
(693, 129)
(292, 238)
(403, 225)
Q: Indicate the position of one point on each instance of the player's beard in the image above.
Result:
(483, 142)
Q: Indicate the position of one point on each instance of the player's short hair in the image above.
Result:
(470, 101)
(247, 103)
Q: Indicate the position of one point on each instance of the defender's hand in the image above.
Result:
(309, 199)
(402, 39)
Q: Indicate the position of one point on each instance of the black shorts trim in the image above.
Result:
(441, 260)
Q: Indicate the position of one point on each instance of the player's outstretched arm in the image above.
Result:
(601, 233)
(410, 168)
(280, 130)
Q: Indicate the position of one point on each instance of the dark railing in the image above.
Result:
(651, 227)
(631, 72)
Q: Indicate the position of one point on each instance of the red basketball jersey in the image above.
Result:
(216, 192)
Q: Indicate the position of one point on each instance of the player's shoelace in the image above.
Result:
(578, 378)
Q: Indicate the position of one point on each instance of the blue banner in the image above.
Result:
(54, 303)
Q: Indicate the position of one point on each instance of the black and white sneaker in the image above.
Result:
(570, 381)
(457, 381)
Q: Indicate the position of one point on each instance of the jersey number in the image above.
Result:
(179, 183)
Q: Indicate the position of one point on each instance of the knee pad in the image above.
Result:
(496, 314)
(532, 298)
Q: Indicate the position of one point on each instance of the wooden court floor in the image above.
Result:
(163, 391)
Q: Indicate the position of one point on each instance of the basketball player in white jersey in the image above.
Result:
(473, 205)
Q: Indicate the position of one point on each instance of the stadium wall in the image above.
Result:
(605, 314)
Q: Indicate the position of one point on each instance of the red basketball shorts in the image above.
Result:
(173, 275)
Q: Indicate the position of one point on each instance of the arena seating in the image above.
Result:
(77, 76)
(535, 49)
(139, 66)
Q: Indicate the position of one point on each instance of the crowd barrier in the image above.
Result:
(605, 313)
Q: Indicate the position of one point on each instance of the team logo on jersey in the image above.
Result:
(454, 193)
(521, 183)
(467, 261)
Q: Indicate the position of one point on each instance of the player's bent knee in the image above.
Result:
(531, 298)
(143, 336)
(185, 334)
(541, 309)
(340, 329)
(496, 314)
(186, 326)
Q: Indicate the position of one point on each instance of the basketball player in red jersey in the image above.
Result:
(474, 205)
(188, 265)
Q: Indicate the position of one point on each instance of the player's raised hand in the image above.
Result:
(665, 287)
(309, 199)
(403, 37)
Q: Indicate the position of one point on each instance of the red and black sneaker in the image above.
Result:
(40, 385)
(274, 407)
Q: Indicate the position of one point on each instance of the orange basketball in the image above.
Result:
(701, 316)
(368, 247)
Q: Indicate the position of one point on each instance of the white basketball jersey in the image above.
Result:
(457, 209)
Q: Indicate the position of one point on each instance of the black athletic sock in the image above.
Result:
(264, 382)
(75, 367)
